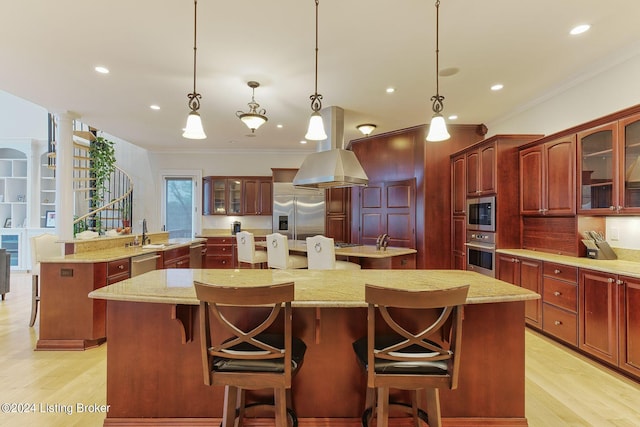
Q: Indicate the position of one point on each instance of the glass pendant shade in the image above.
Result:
(438, 129)
(194, 129)
(316, 128)
(253, 121)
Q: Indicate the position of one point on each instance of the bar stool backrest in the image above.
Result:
(277, 251)
(321, 253)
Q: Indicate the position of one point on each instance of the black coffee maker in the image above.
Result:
(236, 227)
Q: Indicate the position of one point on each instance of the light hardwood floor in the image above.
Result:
(563, 388)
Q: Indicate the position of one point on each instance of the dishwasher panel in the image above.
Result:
(143, 263)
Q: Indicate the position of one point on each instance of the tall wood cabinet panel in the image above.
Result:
(481, 170)
(338, 215)
(257, 196)
(547, 178)
(458, 189)
(599, 311)
(630, 325)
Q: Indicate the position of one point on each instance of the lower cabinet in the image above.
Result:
(221, 252)
(630, 325)
(177, 257)
(526, 273)
(560, 302)
(118, 270)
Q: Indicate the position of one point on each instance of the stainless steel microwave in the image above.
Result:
(481, 213)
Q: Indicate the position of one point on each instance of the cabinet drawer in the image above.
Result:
(561, 294)
(560, 323)
(219, 262)
(118, 267)
(220, 249)
(221, 240)
(175, 253)
(560, 271)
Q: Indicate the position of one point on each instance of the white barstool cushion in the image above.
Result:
(346, 265)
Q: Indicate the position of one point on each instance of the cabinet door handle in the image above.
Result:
(121, 267)
(556, 293)
(612, 208)
(557, 271)
(557, 323)
(619, 282)
(610, 280)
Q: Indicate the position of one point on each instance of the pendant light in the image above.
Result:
(438, 127)
(254, 118)
(316, 125)
(194, 129)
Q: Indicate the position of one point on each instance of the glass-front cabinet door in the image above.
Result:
(630, 164)
(219, 190)
(597, 168)
(235, 197)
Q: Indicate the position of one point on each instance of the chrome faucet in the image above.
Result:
(145, 238)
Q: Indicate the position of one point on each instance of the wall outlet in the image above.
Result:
(614, 234)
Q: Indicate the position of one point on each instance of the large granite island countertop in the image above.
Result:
(314, 288)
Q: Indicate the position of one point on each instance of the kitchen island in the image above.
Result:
(69, 320)
(154, 366)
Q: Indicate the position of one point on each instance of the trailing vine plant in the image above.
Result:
(103, 159)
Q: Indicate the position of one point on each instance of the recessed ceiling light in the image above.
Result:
(154, 107)
(390, 90)
(303, 142)
(102, 70)
(498, 86)
(279, 126)
(453, 117)
(447, 72)
(579, 29)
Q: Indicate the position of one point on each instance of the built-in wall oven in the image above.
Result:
(481, 252)
(481, 213)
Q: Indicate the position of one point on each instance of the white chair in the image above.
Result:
(278, 253)
(43, 246)
(247, 250)
(321, 255)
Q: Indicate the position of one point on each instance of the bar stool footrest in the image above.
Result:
(368, 413)
(258, 405)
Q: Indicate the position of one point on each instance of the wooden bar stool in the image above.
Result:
(321, 255)
(42, 246)
(247, 250)
(427, 359)
(240, 351)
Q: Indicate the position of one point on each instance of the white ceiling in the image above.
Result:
(49, 49)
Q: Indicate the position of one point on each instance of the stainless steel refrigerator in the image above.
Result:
(298, 212)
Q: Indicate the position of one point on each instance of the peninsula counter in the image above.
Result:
(154, 367)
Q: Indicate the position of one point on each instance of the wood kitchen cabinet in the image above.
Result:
(221, 252)
(236, 196)
(118, 270)
(547, 178)
(257, 196)
(526, 273)
(459, 237)
(481, 170)
(458, 185)
(560, 302)
(176, 257)
(599, 314)
(630, 325)
(338, 214)
(609, 165)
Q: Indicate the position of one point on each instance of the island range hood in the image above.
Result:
(331, 165)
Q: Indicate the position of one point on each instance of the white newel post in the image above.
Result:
(64, 176)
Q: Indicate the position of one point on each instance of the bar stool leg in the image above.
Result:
(280, 402)
(229, 411)
(35, 299)
(433, 407)
(383, 407)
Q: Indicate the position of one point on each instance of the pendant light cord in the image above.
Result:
(437, 99)
(316, 99)
(194, 97)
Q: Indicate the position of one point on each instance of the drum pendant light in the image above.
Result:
(194, 129)
(316, 131)
(438, 127)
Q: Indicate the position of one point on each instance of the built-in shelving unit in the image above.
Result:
(13, 188)
(47, 189)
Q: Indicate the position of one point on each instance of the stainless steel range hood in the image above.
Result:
(331, 165)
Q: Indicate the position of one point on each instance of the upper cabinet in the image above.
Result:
(547, 178)
(236, 195)
(608, 158)
(458, 178)
(481, 170)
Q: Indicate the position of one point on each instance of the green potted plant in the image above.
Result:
(103, 160)
(125, 211)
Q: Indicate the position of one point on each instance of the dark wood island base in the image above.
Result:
(154, 377)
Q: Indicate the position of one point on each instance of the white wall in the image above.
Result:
(22, 119)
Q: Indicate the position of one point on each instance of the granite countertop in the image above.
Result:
(218, 232)
(113, 254)
(614, 266)
(314, 288)
(362, 251)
